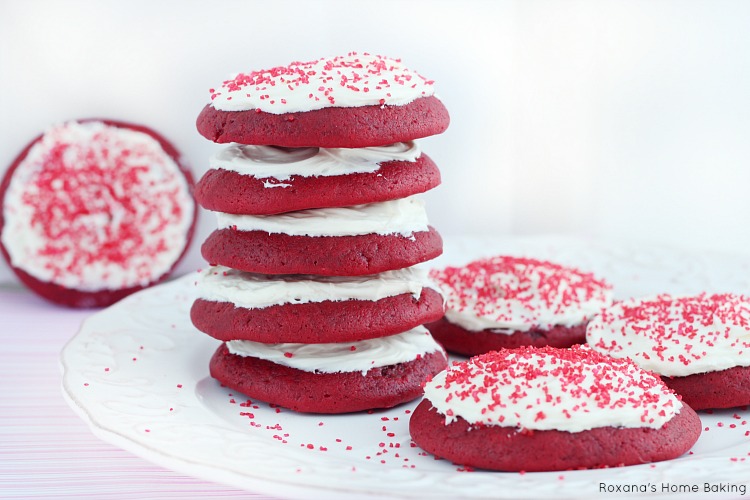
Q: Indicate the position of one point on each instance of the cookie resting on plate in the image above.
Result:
(505, 302)
(546, 409)
(699, 344)
(331, 378)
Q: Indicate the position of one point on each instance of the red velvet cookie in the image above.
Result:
(511, 449)
(95, 210)
(506, 302)
(233, 305)
(320, 387)
(547, 409)
(350, 101)
(347, 127)
(317, 322)
(461, 341)
(715, 389)
(700, 344)
(229, 191)
(261, 252)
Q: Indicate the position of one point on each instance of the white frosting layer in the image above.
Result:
(545, 391)
(345, 81)
(404, 216)
(676, 336)
(271, 162)
(507, 294)
(251, 291)
(96, 207)
(359, 356)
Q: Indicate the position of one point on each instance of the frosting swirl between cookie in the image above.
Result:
(271, 162)
(222, 284)
(404, 216)
(359, 356)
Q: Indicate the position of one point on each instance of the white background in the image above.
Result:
(614, 119)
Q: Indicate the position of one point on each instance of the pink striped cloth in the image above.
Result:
(46, 451)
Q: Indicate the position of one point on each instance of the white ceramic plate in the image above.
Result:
(137, 373)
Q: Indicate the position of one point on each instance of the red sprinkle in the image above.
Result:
(325, 79)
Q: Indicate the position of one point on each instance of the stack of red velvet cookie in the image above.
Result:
(313, 287)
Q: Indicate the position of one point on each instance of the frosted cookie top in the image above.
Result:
(358, 356)
(676, 336)
(507, 294)
(248, 290)
(95, 206)
(546, 388)
(343, 81)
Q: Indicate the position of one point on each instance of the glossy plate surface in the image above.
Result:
(137, 373)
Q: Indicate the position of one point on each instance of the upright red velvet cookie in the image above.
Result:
(700, 345)
(506, 302)
(342, 241)
(351, 101)
(544, 409)
(331, 378)
(233, 305)
(262, 180)
(95, 210)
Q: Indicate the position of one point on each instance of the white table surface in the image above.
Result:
(46, 451)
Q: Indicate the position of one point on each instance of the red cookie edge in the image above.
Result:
(264, 253)
(512, 449)
(334, 127)
(317, 322)
(230, 192)
(457, 339)
(330, 393)
(717, 389)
